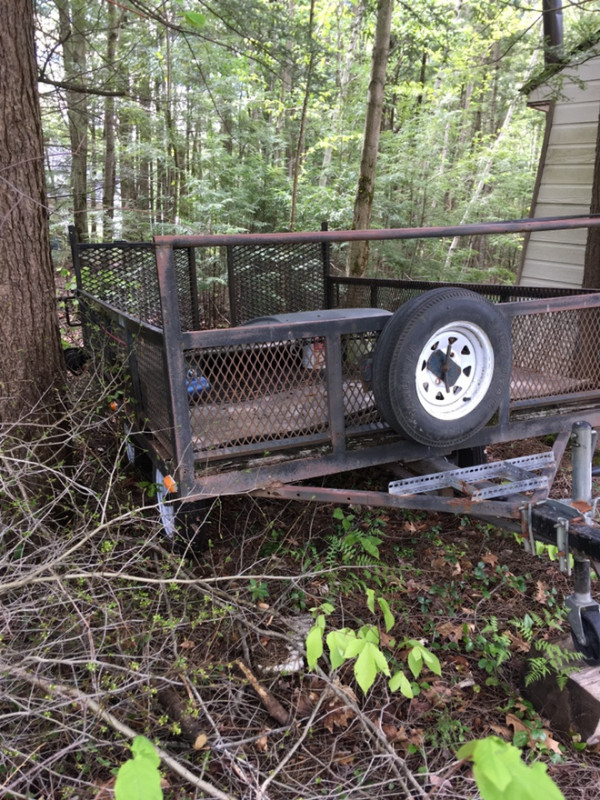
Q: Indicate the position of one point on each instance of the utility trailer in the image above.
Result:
(254, 369)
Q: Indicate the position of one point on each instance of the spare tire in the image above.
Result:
(442, 365)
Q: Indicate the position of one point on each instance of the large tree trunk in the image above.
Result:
(591, 270)
(363, 205)
(30, 355)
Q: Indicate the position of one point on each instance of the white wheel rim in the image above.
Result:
(469, 349)
(166, 511)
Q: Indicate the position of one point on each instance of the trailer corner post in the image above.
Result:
(183, 455)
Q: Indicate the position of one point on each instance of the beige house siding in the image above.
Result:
(564, 185)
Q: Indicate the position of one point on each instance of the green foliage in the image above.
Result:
(139, 778)
(501, 773)
(552, 660)
(364, 645)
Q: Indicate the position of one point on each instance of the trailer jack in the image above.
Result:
(584, 613)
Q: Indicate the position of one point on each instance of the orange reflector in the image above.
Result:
(170, 484)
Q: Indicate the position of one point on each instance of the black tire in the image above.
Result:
(425, 389)
(382, 357)
(590, 621)
(469, 456)
(75, 359)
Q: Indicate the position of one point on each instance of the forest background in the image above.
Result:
(229, 116)
(248, 116)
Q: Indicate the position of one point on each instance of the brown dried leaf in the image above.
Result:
(339, 717)
(200, 742)
(518, 644)
(551, 743)
(515, 723)
(452, 631)
(187, 644)
(540, 593)
(490, 558)
(501, 731)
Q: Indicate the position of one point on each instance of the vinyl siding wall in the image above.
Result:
(564, 186)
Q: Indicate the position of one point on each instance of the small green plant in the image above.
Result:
(259, 591)
(494, 646)
(500, 772)
(364, 645)
(138, 778)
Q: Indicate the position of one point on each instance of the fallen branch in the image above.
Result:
(175, 708)
(61, 690)
(273, 706)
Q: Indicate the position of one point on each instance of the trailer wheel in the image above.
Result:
(441, 366)
(590, 621)
(183, 523)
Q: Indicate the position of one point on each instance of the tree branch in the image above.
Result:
(61, 690)
(82, 89)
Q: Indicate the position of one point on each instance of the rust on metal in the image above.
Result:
(439, 232)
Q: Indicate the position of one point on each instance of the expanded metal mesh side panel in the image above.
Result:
(275, 279)
(212, 288)
(555, 353)
(104, 338)
(124, 276)
(153, 389)
(359, 401)
(255, 393)
(390, 295)
(245, 396)
(184, 280)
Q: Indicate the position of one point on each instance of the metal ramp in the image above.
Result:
(484, 481)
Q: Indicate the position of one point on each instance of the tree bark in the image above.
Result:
(591, 270)
(72, 25)
(363, 205)
(30, 357)
(301, 133)
(110, 170)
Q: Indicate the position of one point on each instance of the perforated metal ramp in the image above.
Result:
(484, 481)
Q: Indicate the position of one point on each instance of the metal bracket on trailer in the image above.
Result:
(515, 476)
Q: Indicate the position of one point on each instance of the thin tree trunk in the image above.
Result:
(110, 171)
(300, 142)
(358, 253)
(486, 167)
(72, 27)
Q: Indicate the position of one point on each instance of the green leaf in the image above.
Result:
(431, 660)
(415, 660)
(399, 681)
(143, 748)
(369, 546)
(338, 641)
(388, 617)
(139, 778)
(500, 772)
(314, 642)
(370, 633)
(371, 600)
(195, 18)
(365, 668)
(338, 513)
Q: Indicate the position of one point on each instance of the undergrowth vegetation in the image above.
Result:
(242, 665)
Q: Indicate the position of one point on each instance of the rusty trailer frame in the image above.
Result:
(282, 395)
